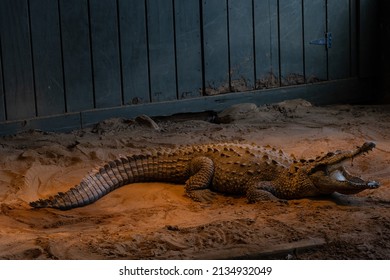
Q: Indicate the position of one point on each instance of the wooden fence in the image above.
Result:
(63, 58)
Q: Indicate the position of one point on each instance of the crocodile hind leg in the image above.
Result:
(201, 171)
(260, 191)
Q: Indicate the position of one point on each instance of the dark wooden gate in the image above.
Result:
(69, 63)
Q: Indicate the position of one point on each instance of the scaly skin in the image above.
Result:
(260, 173)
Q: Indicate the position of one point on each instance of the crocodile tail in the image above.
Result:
(96, 184)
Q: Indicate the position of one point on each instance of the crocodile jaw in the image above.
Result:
(331, 176)
(338, 179)
(349, 184)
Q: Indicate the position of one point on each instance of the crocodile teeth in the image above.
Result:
(338, 175)
(373, 184)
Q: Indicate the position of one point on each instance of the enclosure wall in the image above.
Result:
(69, 63)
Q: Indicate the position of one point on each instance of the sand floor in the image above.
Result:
(157, 221)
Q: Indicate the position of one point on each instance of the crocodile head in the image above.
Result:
(328, 174)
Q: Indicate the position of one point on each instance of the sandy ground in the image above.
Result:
(156, 221)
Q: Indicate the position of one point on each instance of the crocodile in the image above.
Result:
(259, 173)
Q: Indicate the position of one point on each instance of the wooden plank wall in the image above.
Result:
(188, 48)
(340, 53)
(17, 59)
(314, 24)
(291, 42)
(47, 59)
(76, 55)
(134, 51)
(266, 35)
(216, 46)
(69, 56)
(105, 53)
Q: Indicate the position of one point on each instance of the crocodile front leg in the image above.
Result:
(201, 171)
(260, 191)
